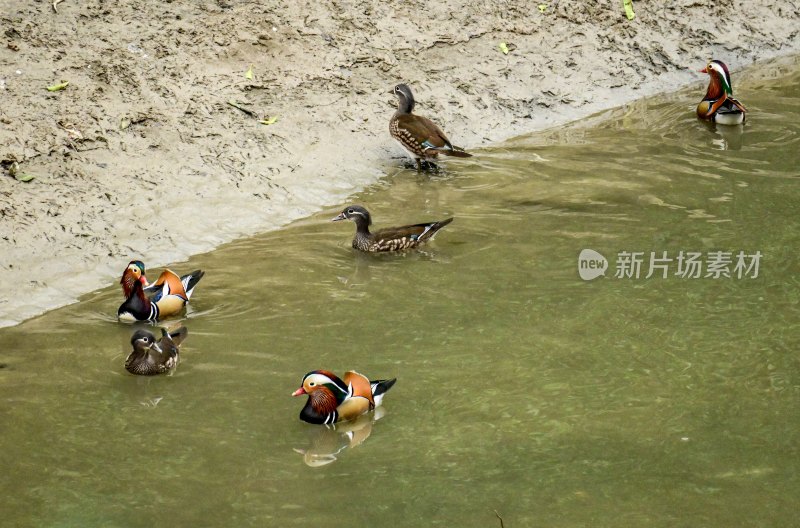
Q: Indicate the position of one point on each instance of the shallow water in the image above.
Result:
(521, 388)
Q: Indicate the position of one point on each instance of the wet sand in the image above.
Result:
(142, 156)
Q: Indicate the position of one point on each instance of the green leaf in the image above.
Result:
(542, 7)
(504, 48)
(249, 73)
(628, 4)
(24, 178)
(57, 87)
(268, 121)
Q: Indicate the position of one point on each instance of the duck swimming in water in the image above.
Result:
(332, 399)
(718, 105)
(166, 297)
(390, 238)
(149, 357)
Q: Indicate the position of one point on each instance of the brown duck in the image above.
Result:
(419, 136)
(149, 357)
(390, 238)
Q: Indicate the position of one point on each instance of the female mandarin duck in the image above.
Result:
(718, 105)
(151, 302)
(419, 136)
(331, 399)
(150, 357)
(390, 238)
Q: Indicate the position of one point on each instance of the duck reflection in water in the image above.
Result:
(327, 443)
(364, 263)
(729, 137)
(725, 137)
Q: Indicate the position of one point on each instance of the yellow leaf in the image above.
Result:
(504, 48)
(249, 73)
(24, 178)
(57, 87)
(268, 121)
(13, 170)
(628, 8)
(542, 7)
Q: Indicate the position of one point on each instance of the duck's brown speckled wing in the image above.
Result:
(395, 238)
(422, 131)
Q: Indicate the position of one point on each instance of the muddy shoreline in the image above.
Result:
(143, 156)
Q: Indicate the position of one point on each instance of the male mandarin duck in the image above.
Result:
(150, 357)
(151, 302)
(390, 238)
(331, 399)
(419, 136)
(718, 105)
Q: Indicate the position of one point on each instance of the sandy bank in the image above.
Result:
(142, 156)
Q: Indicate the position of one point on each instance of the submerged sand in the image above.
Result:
(142, 156)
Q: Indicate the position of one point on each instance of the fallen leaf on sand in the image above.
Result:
(13, 170)
(57, 87)
(268, 121)
(249, 73)
(24, 178)
(542, 7)
(504, 48)
(628, 8)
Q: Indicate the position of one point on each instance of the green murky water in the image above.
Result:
(522, 388)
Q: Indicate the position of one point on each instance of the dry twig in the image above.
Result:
(501, 519)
